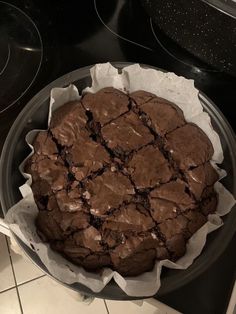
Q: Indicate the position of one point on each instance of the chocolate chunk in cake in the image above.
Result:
(131, 217)
(148, 167)
(56, 225)
(196, 220)
(172, 227)
(162, 209)
(112, 238)
(94, 262)
(86, 157)
(162, 253)
(67, 201)
(48, 175)
(108, 191)
(52, 203)
(125, 134)
(89, 238)
(44, 145)
(106, 105)
(67, 123)
(72, 250)
(48, 227)
(162, 115)
(175, 192)
(82, 256)
(201, 177)
(176, 246)
(189, 146)
(209, 204)
(135, 256)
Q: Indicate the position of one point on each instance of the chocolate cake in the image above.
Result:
(121, 180)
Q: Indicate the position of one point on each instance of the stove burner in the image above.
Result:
(129, 24)
(5, 55)
(177, 52)
(21, 54)
(119, 6)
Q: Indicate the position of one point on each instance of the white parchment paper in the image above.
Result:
(182, 92)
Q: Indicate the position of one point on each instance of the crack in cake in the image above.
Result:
(121, 180)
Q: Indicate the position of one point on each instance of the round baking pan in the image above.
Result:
(34, 116)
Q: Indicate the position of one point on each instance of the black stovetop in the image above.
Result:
(42, 40)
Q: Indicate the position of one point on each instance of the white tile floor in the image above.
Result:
(7, 279)
(24, 289)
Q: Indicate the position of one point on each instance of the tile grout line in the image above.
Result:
(106, 306)
(27, 281)
(14, 275)
(5, 290)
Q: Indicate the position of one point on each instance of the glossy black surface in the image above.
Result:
(226, 6)
(68, 44)
(210, 292)
(199, 28)
(21, 54)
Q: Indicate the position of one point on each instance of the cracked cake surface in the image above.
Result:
(121, 180)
